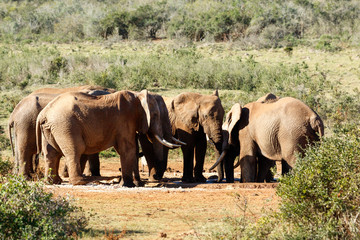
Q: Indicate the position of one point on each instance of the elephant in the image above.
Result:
(149, 148)
(23, 120)
(268, 130)
(76, 123)
(193, 117)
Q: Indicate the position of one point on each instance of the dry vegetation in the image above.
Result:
(307, 49)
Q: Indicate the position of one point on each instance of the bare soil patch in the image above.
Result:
(165, 210)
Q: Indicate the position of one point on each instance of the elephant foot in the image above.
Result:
(78, 181)
(228, 180)
(154, 178)
(185, 179)
(200, 178)
(139, 183)
(96, 174)
(129, 184)
(54, 180)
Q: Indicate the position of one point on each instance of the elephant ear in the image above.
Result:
(144, 100)
(232, 117)
(216, 93)
(186, 111)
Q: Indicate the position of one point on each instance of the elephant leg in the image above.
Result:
(73, 161)
(200, 151)
(229, 164)
(264, 172)
(52, 159)
(94, 164)
(127, 151)
(285, 167)
(148, 151)
(248, 165)
(64, 171)
(188, 164)
(25, 163)
(35, 163)
(83, 160)
(136, 174)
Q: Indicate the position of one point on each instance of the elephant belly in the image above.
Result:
(97, 147)
(269, 147)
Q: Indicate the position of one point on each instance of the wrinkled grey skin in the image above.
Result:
(150, 148)
(23, 119)
(268, 130)
(74, 124)
(192, 117)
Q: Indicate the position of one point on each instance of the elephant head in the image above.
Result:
(192, 111)
(154, 151)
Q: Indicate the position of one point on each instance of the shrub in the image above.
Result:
(320, 198)
(27, 211)
(5, 167)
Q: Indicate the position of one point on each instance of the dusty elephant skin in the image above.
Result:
(267, 130)
(23, 120)
(153, 149)
(192, 117)
(76, 123)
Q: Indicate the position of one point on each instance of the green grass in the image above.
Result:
(323, 80)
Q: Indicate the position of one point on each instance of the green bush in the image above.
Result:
(320, 198)
(27, 211)
(5, 166)
(254, 23)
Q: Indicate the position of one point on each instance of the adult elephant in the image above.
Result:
(267, 130)
(22, 123)
(192, 117)
(74, 124)
(150, 148)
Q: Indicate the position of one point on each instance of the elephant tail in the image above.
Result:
(10, 126)
(39, 121)
(317, 125)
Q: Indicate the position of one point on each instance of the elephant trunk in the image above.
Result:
(161, 161)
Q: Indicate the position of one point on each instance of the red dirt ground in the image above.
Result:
(166, 210)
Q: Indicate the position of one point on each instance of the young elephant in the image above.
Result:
(23, 121)
(192, 117)
(76, 123)
(265, 131)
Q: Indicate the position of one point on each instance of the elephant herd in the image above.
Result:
(77, 123)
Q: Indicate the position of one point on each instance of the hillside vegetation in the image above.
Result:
(307, 49)
(252, 23)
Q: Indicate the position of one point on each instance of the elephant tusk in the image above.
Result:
(149, 139)
(178, 141)
(166, 143)
(237, 164)
(219, 160)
